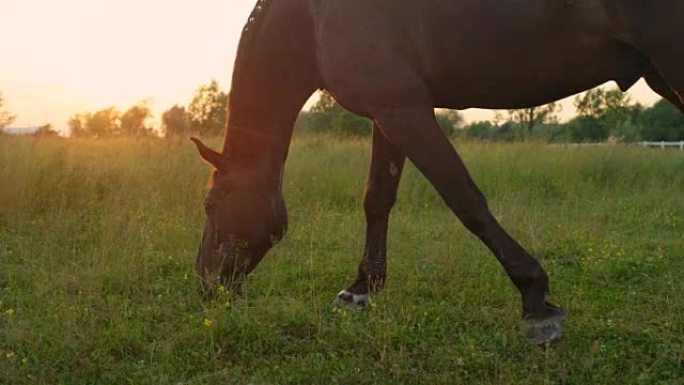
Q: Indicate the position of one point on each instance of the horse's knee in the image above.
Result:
(378, 201)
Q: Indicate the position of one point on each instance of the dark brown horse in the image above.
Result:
(393, 61)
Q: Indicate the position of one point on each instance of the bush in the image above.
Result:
(587, 129)
(662, 122)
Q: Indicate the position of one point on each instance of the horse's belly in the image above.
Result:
(532, 78)
(535, 55)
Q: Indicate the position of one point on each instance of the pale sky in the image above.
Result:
(62, 57)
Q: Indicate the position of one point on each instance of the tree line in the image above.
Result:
(603, 114)
(204, 115)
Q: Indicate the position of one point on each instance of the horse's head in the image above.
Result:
(245, 217)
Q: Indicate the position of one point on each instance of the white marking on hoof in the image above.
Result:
(347, 300)
(545, 330)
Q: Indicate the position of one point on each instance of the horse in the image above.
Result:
(394, 61)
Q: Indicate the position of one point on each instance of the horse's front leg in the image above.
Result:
(414, 130)
(381, 192)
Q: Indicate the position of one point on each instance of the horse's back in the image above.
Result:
(476, 53)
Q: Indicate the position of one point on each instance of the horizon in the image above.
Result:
(82, 56)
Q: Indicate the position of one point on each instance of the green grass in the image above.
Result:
(98, 239)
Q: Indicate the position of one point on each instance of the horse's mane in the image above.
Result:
(249, 34)
(240, 73)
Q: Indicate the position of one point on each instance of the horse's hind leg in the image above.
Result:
(658, 84)
(381, 191)
(416, 133)
(666, 53)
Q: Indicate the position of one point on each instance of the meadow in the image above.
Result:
(98, 240)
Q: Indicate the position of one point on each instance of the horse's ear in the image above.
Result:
(216, 159)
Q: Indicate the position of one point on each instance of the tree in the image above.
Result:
(324, 112)
(531, 117)
(175, 122)
(6, 118)
(484, 130)
(325, 104)
(663, 121)
(45, 131)
(77, 126)
(348, 124)
(108, 122)
(133, 120)
(598, 101)
(586, 128)
(329, 117)
(103, 123)
(603, 112)
(207, 110)
(449, 121)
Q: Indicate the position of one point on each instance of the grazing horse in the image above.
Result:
(394, 61)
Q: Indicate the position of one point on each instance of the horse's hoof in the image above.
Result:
(546, 329)
(347, 300)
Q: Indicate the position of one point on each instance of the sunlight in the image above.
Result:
(78, 55)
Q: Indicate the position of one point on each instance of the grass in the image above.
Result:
(98, 239)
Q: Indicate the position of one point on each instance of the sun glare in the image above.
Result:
(80, 55)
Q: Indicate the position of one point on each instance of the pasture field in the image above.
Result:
(98, 240)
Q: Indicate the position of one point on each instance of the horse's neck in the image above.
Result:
(275, 73)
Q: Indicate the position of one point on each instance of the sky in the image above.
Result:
(62, 57)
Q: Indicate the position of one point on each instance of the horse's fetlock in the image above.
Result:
(375, 268)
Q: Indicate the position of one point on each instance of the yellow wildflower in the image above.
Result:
(9, 312)
(208, 323)
(9, 355)
(222, 290)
